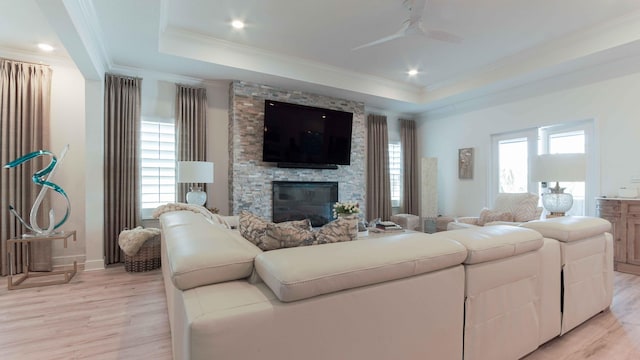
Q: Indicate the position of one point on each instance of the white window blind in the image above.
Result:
(395, 172)
(158, 164)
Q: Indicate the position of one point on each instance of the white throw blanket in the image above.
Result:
(180, 206)
(213, 218)
(131, 241)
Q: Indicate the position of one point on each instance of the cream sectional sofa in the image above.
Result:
(484, 293)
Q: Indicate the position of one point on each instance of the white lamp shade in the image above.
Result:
(195, 172)
(559, 167)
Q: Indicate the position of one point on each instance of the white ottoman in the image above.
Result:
(407, 221)
(511, 301)
(587, 264)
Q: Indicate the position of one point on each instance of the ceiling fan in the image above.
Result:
(414, 25)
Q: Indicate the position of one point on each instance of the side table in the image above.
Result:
(436, 223)
(25, 244)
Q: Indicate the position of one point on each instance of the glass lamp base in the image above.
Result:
(196, 196)
(557, 203)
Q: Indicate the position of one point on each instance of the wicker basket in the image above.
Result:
(147, 258)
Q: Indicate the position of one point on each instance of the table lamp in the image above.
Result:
(195, 172)
(558, 167)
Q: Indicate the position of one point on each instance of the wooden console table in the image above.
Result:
(624, 215)
(25, 244)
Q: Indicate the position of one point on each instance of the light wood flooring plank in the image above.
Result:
(108, 314)
(113, 314)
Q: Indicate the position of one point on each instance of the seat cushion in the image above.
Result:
(495, 242)
(569, 228)
(303, 272)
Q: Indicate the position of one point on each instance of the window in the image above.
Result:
(395, 172)
(512, 162)
(565, 139)
(513, 154)
(158, 164)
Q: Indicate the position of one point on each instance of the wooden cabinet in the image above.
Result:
(624, 215)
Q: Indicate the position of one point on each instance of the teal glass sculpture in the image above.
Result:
(42, 178)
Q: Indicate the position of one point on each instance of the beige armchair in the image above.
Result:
(509, 208)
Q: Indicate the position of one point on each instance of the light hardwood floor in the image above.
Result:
(113, 314)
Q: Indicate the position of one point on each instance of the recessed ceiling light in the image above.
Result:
(412, 72)
(237, 24)
(45, 47)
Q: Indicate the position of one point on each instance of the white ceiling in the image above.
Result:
(307, 44)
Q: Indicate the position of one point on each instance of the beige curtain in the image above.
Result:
(191, 129)
(410, 202)
(121, 170)
(378, 182)
(24, 127)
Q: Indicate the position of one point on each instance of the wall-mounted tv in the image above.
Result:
(306, 136)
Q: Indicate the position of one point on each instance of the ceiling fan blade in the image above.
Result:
(400, 33)
(443, 36)
(440, 35)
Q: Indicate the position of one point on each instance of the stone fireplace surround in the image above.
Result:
(250, 179)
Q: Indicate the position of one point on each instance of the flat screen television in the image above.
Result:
(306, 136)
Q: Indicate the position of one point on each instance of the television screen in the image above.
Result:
(306, 135)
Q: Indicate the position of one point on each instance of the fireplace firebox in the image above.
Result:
(297, 200)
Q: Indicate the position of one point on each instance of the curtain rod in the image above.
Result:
(191, 86)
(25, 62)
(125, 76)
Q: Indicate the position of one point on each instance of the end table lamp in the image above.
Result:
(558, 167)
(195, 172)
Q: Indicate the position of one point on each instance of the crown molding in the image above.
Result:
(36, 57)
(188, 44)
(91, 24)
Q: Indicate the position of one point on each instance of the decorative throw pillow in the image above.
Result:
(254, 228)
(487, 216)
(341, 229)
(527, 209)
(287, 236)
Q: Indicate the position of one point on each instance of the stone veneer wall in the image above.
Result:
(250, 185)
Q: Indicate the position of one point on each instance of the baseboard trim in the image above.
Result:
(92, 265)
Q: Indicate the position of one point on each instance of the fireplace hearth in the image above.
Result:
(297, 200)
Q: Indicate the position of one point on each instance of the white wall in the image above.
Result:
(68, 127)
(612, 104)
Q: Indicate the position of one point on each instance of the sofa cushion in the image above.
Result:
(254, 228)
(569, 228)
(285, 236)
(523, 206)
(303, 272)
(201, 253)
(340, 229)
(487, 216)
(495, 242)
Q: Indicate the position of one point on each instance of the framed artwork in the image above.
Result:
(465, 163)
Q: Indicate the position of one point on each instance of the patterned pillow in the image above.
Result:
(254, 228)
(523, 206)
(285, 236)
(526, 209)
(487, 215)
(341, 229)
